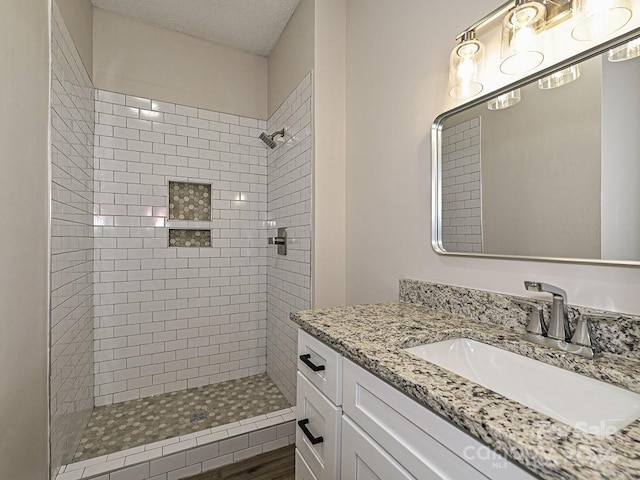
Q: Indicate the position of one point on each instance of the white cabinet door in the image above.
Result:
(303, 472)
(318, 431)
(363, 459)
(425, 444)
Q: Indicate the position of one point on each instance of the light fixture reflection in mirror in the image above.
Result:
(522, 37)
(505, 100)
(595, 19)
(464, 66)
(560, 78)
(625, 52)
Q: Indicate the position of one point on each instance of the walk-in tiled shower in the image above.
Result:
(169, 308)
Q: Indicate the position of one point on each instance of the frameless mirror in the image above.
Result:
(550, 169)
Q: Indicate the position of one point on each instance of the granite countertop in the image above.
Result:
(373, 336)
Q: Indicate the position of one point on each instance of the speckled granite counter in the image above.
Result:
(373, 336)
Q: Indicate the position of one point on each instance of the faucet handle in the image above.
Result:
(582, 334)
(584, 331)
(536, 323)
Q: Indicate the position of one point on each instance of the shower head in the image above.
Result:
(270, 139)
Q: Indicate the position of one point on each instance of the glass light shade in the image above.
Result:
(625, 52)
(464, 67)
(595, 19)
(560, 78)
(505, 100)
(522, 38)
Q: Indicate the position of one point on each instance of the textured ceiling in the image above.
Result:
(251, 25)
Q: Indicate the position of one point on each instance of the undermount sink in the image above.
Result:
(584, 403)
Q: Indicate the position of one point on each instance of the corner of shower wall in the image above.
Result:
(289, 179)
(72, 232)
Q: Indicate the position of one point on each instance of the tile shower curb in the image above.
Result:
(192, 453)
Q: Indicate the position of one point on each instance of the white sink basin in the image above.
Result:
(584, 403)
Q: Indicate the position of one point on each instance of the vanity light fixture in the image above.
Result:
(560, 78)
(464, 66)
(598, 18)
(524, 22)
(522, 30)
(505, 100)
(625, 52)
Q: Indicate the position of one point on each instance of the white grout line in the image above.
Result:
(125, 453)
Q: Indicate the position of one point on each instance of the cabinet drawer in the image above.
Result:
(364, 459)
(408, 431)
(318, 431)
(303, 472)
(321, 365)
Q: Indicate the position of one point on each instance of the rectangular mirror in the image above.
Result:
(555, 175)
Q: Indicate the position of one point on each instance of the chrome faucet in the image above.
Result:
(559, 322)
(557, 334)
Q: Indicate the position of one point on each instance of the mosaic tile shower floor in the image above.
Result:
(113, 428)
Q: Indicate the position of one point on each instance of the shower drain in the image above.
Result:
(198, 417)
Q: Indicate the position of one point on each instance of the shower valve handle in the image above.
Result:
(280, 240)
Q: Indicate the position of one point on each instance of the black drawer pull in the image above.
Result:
(303, 426)
(310, 364)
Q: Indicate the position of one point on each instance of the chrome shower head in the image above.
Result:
(270, 139)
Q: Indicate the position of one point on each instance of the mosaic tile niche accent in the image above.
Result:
(189, 238)
(189, 201)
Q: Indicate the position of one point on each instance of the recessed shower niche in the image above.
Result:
(182, 237)
(189, 202)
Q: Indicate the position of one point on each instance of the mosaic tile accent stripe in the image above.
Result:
(125, 425)
(189, 238)
(189, 201)
(72, 207)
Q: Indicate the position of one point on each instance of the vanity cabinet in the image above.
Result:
(370, 430)
(319, 412)
(363, 459)
(318, 430)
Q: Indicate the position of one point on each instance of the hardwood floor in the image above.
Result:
(276, 465)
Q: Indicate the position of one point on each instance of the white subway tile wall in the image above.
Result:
(72, 124)
(289, 205)
(461, 188)
(170, 318)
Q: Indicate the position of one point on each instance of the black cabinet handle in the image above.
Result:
(310, 364)
(303, 426)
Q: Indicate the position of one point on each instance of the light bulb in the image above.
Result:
(522, 39)
(521, 28)
(559, 78)
(505, 100)
(465, 62)
(625, 52)
(466, 70)
(597, 19)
